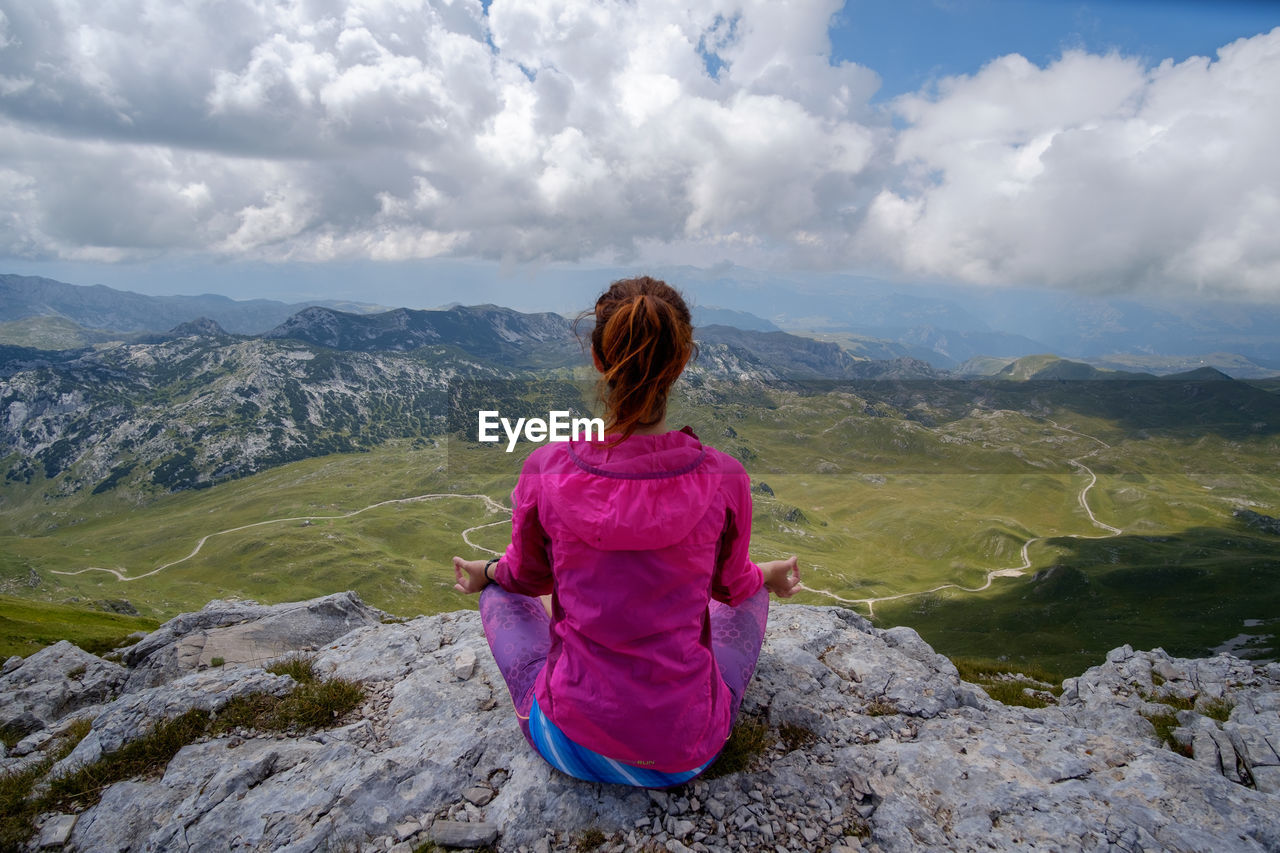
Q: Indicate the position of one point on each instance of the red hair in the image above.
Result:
(643, 337)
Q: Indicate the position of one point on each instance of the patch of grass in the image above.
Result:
(1157, 680)
(11, 734)
(312, 704)
(1178, 703)
(301, 668)
(1014, 693)
(83, 787)
(217, 661)
(1164, 724)
(245, 712)
(746, 745)
(17, 810)
(1008, 683)
(104, 646)
(979, 671)
(858, 827)
(319, 703)
(588, 840)
(1218, 709)
(76, 732)
(880, 707)
(795, 736)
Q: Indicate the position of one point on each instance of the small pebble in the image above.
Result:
(478, 795)
(464, 663)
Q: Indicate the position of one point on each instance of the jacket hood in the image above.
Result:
(642, 493)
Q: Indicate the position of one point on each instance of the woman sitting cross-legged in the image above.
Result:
(657, 613)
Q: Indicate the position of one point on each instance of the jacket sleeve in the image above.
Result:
(525, 567)
(736, 578)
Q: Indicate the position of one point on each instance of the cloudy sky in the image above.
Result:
(1103, 146)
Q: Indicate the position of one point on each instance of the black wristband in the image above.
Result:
(487, 566)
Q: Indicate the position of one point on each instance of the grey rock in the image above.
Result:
(478, 795)
(56, 831)
(1267, 779)
(464, 663)
(243, 632)
(951, 770)
(1120, 655)
(32, 742)
(135, 714)
(450, 833)
(11, 664)
(54, 682)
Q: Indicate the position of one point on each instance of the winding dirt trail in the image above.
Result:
(1014, 571)
(493, 506)
(490, 505)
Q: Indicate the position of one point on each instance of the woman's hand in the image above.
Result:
(782, 577)
(470, 575)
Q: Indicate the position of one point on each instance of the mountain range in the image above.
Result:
(199, 404)
(104, 308)
(944, 326)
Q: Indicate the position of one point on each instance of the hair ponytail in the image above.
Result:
(643, 337)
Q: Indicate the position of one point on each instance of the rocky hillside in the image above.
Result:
(864, 739)
(737, 354)
(198, 406)
(484, 331)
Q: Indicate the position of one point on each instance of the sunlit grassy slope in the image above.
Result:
(878, 498)
(27, 626)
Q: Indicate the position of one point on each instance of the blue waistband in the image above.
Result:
(582, 763)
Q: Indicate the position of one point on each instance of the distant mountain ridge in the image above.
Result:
(960, 322)
(102, 307)
(945, 326)
(729, 353)
(198, 403)
(487, 331)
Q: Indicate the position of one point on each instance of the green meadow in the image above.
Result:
(880, 496)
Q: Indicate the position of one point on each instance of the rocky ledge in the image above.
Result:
(867, 739)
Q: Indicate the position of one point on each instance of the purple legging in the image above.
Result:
(519, 634)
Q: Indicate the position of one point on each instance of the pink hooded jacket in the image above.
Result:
(633, 540)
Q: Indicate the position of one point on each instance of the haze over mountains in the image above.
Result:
(944, 326)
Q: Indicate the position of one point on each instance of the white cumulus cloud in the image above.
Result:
(1093, 172)
(561, 130)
